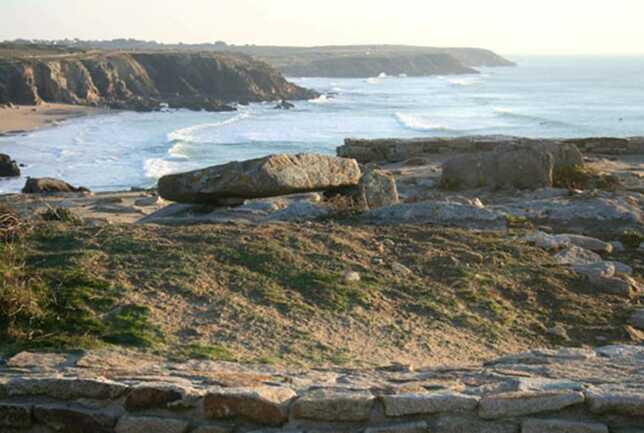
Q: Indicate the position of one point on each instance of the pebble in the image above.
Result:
(351, 277)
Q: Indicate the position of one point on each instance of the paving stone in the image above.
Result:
(527, 403)
(40, 361)
(328, 405)
(66, 388)
(637, 319)
(15, 415)
(132, 424)
(64, 419)
(412, 427)
(615, 402)
(453, 424)
(561, 426)
(152, 396)
(211, 429)
(437, 402)
(264, 405)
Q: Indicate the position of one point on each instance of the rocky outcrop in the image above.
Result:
(143, 80)
(397, 150)
(565, 390)
(512, 166)
(8, 167)
(598, 214)
(512, 169)
(49, 185)
(438, 213)
(264, 177)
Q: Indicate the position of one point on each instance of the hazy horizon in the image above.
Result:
(510, 28)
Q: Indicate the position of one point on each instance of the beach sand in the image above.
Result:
(28, 117)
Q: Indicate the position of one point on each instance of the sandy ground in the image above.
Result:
(27, 118)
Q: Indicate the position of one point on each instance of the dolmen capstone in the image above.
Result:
(270, 176)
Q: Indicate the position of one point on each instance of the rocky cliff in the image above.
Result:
(143, 80)
(321, 61)
(371, 60)
(370, 66)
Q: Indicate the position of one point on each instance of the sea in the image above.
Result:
(540, 97)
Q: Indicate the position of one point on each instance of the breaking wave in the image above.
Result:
(511, 114)
(419, 123)
(187, 135)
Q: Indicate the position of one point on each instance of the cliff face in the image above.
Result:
(362, 61)
(370, 66)
(143, 80)
(476, 57)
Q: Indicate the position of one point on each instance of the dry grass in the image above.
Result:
(276, 294)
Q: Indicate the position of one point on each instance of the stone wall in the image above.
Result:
(396, 150)
(566, 391)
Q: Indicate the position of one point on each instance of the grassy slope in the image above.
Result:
(276, 294)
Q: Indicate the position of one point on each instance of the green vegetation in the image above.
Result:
(276, 294)
(632, 238)
(580, 177)
(60, 214)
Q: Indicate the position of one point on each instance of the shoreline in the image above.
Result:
(28, 118)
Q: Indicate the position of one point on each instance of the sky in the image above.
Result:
(506, 26)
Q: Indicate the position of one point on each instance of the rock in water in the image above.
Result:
(270, 176)
(521, 168)
(48, 185)
(378, 189)
(8, 167)
(284, 105)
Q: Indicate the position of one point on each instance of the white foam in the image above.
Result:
(463, 82)
(178, 151)
(154, 168)
(322, 99)
(418, 123)
(187, 134)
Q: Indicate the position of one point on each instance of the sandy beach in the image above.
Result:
(22, 118)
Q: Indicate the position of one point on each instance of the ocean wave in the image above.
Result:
(154, 168)
(419, 123)
(463, 82)
(187, 134)
(509, 113)
(178, 151)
